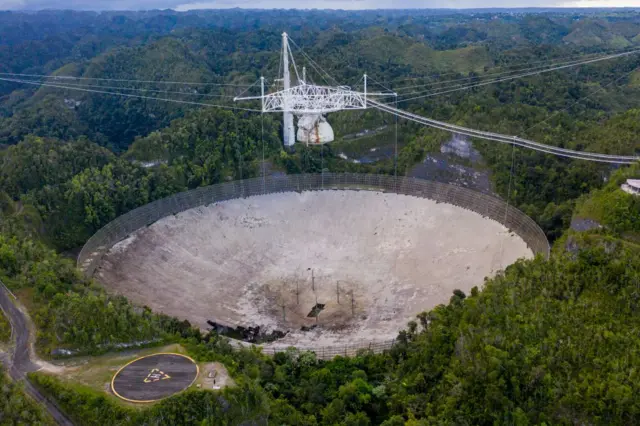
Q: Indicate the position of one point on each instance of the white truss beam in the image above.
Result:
(312, 99)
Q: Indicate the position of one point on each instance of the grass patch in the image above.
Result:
(26, 297)
(5, 328)
(96, 372)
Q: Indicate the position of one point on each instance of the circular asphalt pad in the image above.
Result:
(154, 377)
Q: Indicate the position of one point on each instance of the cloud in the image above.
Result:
(404, 4)
(292, 4)
(184, 5)
(601, 3)
(87, 4)
(12, 4)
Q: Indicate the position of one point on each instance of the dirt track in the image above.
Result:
(250, 262)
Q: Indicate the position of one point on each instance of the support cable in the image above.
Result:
(314, 62)
(128, 95)
(381, 85)
(484, 83)
(359, 81)
(293, 61)
(517, 64)
(247, 89)
(395, 158)
(239, 154)
(506, 206)
(322, 165)
(318, 72)
(583, 98)
(279, 76)
(134, 89)
(514, 140)
(492, 75)
(263, 163)
(70, 77)
(435, 91)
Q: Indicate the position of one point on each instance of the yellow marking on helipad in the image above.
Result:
(156, 375)
(113, 389)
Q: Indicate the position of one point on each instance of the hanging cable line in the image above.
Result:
(461, 86)
(311, 61)
(320, 74)
(508, 201)
(484, 83)
(550, 149)
(255, 83)
(517, 64)
(383, 86)
(97, 86)
(599, 89)
(481, 76)
(69, 77)
(128, 95)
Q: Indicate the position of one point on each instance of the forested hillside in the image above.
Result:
(222, 53)
(546, 342)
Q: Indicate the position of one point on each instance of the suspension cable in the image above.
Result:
(128, 95)
(481, 76)
(522, 75)
(506, 206)
(517, 64)
(263, 163)
(137, 89)
(381, 85)
(563, 152)
(293, 60)
(247, 89)
(70, 77)
(395, 159)
(314, 62)
(316, 70)
(599, 89)
(280, 64)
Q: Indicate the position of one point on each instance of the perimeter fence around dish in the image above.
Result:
(488, 206)
(330, 352)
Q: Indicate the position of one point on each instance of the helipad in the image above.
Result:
(154, 377)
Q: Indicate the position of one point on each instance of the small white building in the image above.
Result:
(632, 186)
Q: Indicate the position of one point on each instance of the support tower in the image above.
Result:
(289, 136)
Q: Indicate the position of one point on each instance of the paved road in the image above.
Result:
(20, 363)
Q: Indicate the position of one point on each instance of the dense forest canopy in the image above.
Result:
(545, 342)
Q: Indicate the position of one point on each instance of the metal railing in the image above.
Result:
(486, 205)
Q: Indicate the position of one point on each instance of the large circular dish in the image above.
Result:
(352, 266)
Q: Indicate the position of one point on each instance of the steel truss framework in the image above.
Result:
(312, 99)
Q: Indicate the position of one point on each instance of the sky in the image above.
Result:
(184, 5)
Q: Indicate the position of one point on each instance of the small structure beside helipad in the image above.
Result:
(632, 186)
(154, 377)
